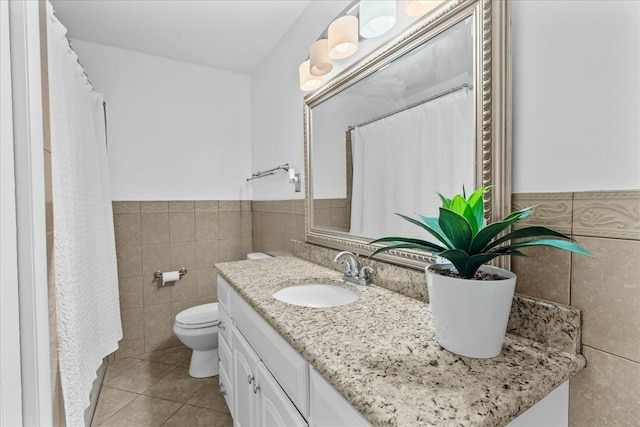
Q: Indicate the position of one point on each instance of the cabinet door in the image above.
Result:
(329, 408)
(274, 407)
(226, 388)
(226, 371)
(245, 363)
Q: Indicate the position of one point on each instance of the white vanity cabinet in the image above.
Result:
(246, 343)
(265, 380)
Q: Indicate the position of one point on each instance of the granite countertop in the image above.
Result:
(381, 354)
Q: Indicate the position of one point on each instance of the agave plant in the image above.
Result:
(468, 242)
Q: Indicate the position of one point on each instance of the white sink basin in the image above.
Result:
(317, 295)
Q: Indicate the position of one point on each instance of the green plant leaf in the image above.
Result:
(481, 240)
(458, 204)
(476, 203)
(436, 231)
(446, 202)
(458, 258)
(456, 228)
(558, 244)
(475, 262)
(534, 231)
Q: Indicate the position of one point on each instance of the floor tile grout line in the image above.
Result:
(121, 389)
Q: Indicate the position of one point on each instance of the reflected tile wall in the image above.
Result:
(165, 236)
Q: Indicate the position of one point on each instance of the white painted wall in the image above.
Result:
(576, 96)
(176, 131)
(277, 101)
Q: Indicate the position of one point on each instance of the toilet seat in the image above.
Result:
(201, 316)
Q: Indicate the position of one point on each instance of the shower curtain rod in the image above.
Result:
(415, 104)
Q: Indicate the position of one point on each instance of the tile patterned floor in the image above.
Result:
(155, 389)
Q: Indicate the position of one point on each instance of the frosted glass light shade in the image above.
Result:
(376, 17)
(319, 59)
(307, 81)
(343, 37)
(420, 7)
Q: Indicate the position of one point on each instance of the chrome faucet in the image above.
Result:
(353, 271)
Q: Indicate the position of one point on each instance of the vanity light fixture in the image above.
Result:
(376, 17)
(320, 63)
(420, 7)
(343, 37)
(308, 82)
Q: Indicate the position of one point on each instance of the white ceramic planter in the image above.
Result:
(471, 316)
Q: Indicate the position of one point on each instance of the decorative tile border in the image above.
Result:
(552, 210)
(609, 214)
(612, 214)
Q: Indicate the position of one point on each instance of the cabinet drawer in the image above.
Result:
(226, 357)
(225, 325)
(226, 388)
(224, 294)
(287, 366)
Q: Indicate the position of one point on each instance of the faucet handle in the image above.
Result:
(365, 273)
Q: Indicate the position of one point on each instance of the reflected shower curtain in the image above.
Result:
(401, 162)
(88, 307)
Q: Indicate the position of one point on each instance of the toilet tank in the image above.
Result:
(257, 255)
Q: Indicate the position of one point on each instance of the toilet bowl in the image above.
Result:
(197, 328)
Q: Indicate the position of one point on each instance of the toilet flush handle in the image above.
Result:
(250, 378)
(221, 326)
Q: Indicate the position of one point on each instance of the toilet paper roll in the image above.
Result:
(292, 174)
(170, 276)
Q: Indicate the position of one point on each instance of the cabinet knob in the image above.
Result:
(221, 326)
(250, 379)
(256, 388)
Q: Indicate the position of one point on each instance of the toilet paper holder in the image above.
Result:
(158, 274)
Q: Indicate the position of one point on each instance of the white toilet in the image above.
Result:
(197, 328)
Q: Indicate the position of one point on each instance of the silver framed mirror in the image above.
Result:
(426, 113)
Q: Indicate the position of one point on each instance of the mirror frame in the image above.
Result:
(492, 81)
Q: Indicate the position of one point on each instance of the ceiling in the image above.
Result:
(234, 35)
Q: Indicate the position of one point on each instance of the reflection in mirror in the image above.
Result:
(426, 113)
(390, 141)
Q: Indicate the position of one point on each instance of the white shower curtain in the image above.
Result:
(88, 307)
(401, 161)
